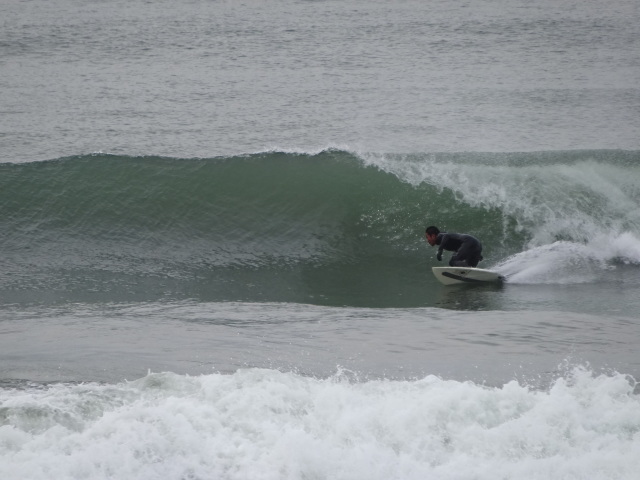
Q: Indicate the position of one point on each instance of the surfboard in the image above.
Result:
(468, 275)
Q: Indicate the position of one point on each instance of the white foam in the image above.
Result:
(549, 200)
(570, 262)
(263, 424)
(559, 262)
(625, 246)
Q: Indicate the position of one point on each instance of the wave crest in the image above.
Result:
(331, 224)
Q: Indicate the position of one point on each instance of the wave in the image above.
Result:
(270, 424)
(318, 225)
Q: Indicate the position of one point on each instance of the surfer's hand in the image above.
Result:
(439, 256)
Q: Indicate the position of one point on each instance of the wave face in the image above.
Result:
(332, 227)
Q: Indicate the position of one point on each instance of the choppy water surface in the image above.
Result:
(212, 261)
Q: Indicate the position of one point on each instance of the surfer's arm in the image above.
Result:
(443, 242)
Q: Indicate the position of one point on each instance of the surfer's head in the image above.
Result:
(432, 234)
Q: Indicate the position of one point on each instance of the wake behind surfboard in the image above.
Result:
(465, 275)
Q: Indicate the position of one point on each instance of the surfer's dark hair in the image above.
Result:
(433, 230)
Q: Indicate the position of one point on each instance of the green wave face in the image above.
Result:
(332, 228)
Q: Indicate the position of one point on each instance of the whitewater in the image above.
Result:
(212, 255)
(266, 424)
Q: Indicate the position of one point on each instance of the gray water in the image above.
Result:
(216, 78)
(112, 342)
(374, 77)
(522, 381)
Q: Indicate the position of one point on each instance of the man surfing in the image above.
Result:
(468, 250)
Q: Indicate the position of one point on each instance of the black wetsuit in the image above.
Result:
(468, 249)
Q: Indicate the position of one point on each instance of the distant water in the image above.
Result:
(212, 262)
(227, 77)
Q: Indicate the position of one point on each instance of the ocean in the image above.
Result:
(212, 254)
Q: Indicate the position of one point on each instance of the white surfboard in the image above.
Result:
(468, 275)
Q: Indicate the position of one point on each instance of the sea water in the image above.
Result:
(212, 262)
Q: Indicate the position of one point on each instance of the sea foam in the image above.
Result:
(266, 424)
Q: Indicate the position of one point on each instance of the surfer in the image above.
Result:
(468, 250)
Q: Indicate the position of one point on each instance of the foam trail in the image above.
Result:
(566, 262)
(560, 262)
